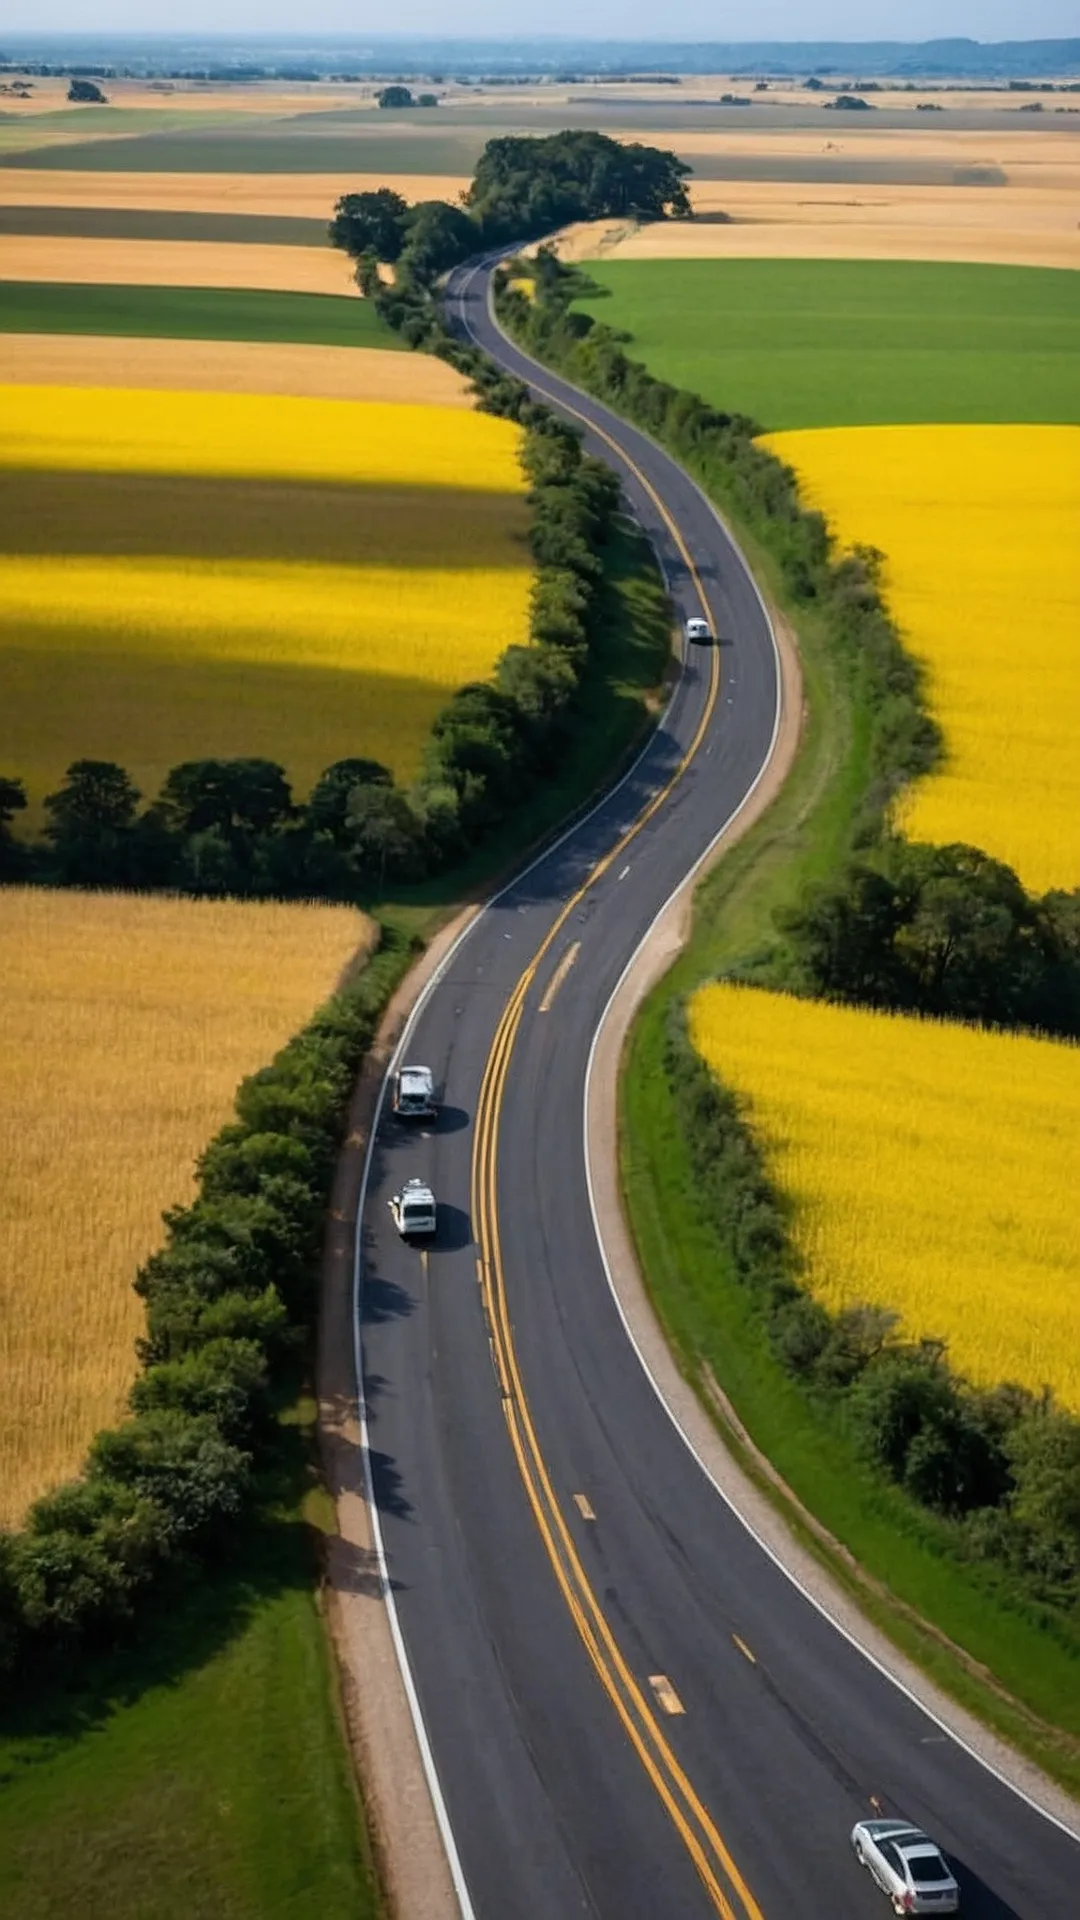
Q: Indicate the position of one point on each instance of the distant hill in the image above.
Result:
(308, 57)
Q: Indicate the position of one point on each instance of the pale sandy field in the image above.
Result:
(1046, 157)
(175, 263)
(1007, 226)
(128, 1023)
(231, 366)
(50, 96)
(308, 196)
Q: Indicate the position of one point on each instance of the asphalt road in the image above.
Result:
(631, 1712)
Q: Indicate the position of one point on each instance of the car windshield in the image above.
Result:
(924, 1867)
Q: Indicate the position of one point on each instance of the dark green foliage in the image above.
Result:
(370, 223)
(85, 92)
(395, 97)
(525, 186)
(91, 822)
(229, 1296)
(13, 857)
(945, 931)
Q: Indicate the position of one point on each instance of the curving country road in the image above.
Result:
(628, 1710)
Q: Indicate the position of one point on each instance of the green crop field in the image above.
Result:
(275, 149)
(193, 313)
(814, 343)
(145, 223)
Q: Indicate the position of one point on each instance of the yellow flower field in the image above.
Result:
(934, 1170)
(979, 528)
(128, 1023)
(193, 574)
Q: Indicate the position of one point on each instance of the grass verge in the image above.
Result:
(193, 313)
(922, 1599)
(200, 1769)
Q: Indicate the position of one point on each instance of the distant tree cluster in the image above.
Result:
(87, 92)
(522, 187)
(399, 96)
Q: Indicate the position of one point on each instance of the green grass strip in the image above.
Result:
(147, 223)
(193, 313)
(832, 343)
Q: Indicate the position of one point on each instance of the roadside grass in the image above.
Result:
(831, 343)
(146, 223)
(193, 313)
(906, 1579)
(198, 1771)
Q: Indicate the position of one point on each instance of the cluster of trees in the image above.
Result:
(999, 1466)
(398, 96)
(522, 187)
(87, 92)
(229, 1306)
(233, 826)
(946, 931)
(937, 930)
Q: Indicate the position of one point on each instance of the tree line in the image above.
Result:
(233, 826)
(941, 931)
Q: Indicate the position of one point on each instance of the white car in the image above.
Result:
(907, 1866)
(414, 1209)
(698, 630)
(414, 1093)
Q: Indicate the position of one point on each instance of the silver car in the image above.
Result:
(698, 630)
(906, 1865)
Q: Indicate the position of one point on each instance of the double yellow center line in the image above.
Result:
(719, 1874)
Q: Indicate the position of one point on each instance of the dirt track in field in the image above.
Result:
(175, 263)
(228, 366)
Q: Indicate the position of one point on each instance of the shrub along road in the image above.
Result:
(631, 1709)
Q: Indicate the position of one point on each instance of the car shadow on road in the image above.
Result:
(453, 1230)
(977, 1900)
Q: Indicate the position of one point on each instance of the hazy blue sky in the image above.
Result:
(682, 19)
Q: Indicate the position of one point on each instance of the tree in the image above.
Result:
(91, 818)
(427, 99)
(237, 799)
(12, 801)
(438, 236)
(330, 796)
(395, 97)
(383, 834)
(86, 93)
(525, 185)
(370, 223)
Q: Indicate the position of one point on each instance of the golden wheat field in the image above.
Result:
(232, 366)
(128, 1023)
(190, 574)
(934, 1170)
(176, 263)
(979, 528)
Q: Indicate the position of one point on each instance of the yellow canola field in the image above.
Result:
(979, 528)
(300, 579)
(933, 1168)
(102, 430)
(128, 1023)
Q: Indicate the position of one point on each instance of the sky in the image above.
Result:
(616, 19)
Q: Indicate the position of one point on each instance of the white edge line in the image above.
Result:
(819, 1605)
(442, 1815)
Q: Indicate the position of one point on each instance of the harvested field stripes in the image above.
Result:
(224, 366)
(308, 196)
(193, 313)
(932, 1170)
(175, 263)
(144, 223)
(128, 1022)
